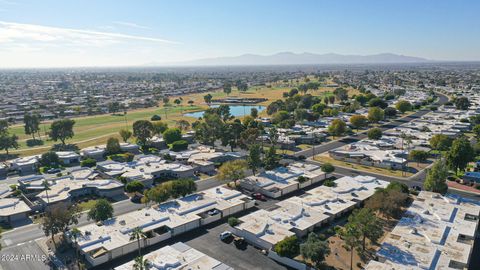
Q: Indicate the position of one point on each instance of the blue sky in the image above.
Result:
(118, 33)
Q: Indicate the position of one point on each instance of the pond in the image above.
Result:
(235, 110)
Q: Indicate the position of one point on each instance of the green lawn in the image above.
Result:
(85, 206)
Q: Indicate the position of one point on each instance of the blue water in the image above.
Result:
(235, 110)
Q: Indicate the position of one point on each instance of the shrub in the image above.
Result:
(134, 186)
(156, 117)
(179, 146)
(301, 179)
(327, 168)
(233, 221)
(89, 162)
(288, 247)
(172, 135)
(329, 183)
(374, 134)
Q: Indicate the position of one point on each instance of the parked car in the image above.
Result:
(258, 196)
(53, 170)
(239, 241)
(225, 235)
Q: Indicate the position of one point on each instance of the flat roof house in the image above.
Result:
(68, 157)
(283, 180)
(95, 152)
(178, 256)
(436, 232)
(99, 244)
(25, 165)
(301, 214)
(13, 209)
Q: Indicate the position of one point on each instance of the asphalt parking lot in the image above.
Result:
(247, 257)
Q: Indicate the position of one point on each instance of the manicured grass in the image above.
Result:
(95, 130)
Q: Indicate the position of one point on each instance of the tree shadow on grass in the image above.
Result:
(66, 147)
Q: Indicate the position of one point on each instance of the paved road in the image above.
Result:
(34, 231)
(442, 99)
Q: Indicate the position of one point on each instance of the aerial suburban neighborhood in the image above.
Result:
(247, 135)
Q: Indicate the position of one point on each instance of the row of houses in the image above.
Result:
(436, 232)
(299, 215)
(99, 243)
(284, 180)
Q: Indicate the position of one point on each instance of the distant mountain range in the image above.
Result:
(289, 58)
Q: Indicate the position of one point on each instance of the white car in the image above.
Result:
(224, 235)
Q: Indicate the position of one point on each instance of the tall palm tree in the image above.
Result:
(140, 263)
(47, 187)
(138, 233)
(75, 232)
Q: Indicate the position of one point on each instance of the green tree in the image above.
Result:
(374, 134)
(254, 160)
(125, 134)
(208, 99)
(233, 221)
(172, 135)
(418, 156)
(227, 88)
(337, 127)
(358, 121)
(62, 130)
(113, 146)
(387, 201)
(134, 186)
(49, 159)
(375, 114)
(8, 142)
(440, 142)
(315, 249)
(159, 127)
(327, 168)
(403, 106)
(58, 218)
(271, 158)
(32, 124)
(142, 130)
(232, 170)
(351, 235)
(462, 103)
(101, 211)
(183, 124)
(460, 154)
(435, 180)
(254, 113)
(367, 224)
(341, 94)
(476, 131)
(319, 107)
(288, 247)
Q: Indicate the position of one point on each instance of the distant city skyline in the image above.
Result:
(54, 33)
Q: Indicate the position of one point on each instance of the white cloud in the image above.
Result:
(11, 32)
(131, 24)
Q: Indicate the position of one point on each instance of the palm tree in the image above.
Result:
(47, 187)
(75, 232)
(140, 263)
(138, 233)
